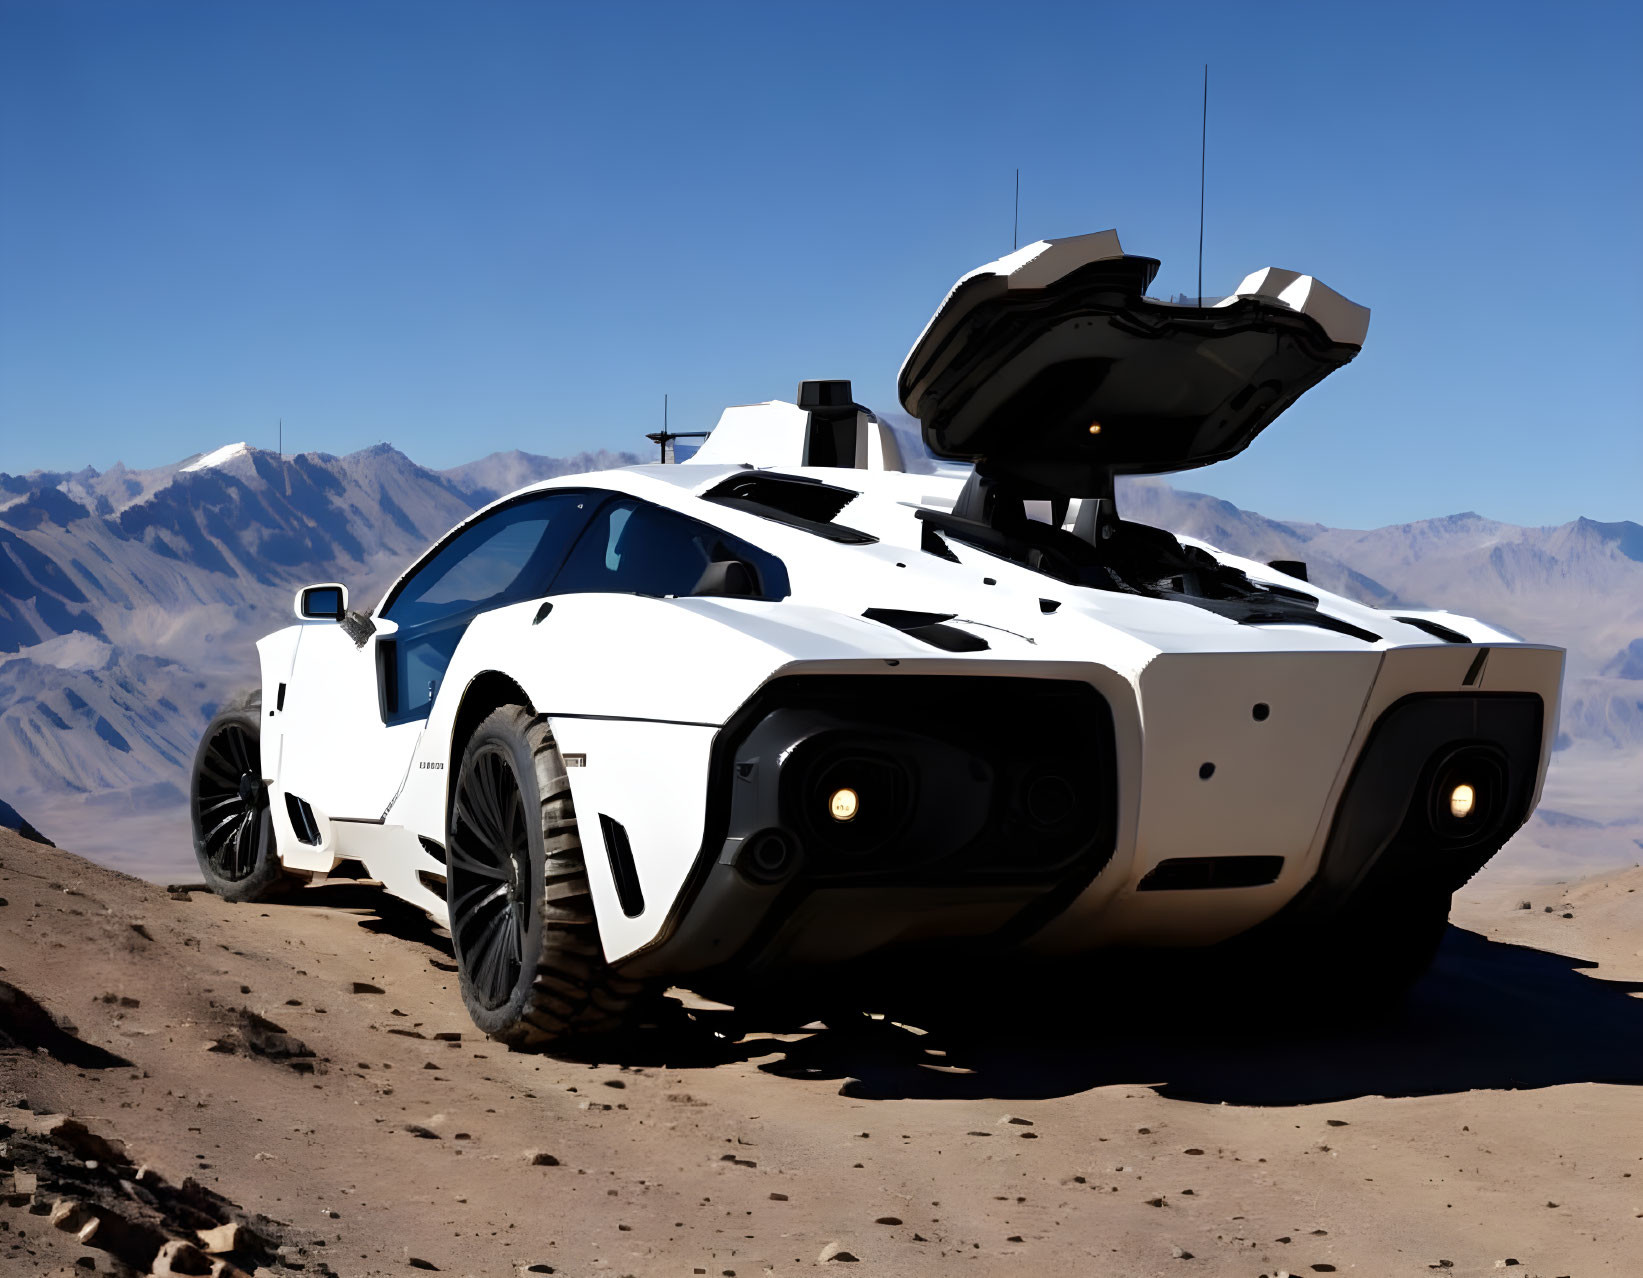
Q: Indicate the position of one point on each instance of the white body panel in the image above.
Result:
(1180, 681)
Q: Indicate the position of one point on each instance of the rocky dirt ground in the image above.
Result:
(192, 1087)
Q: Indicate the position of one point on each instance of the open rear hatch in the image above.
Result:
(1051, 365)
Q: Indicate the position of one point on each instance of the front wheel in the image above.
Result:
(228, 801)
(532, 969)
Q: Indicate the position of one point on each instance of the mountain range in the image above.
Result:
(130, 601)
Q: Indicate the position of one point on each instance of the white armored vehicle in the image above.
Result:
(972, 709)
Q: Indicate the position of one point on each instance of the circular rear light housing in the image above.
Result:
(1466, 794)
(852, 802)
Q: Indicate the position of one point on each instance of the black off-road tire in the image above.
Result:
(533, 972)
(228, 805)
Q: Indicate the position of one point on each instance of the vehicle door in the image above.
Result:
(356, 709)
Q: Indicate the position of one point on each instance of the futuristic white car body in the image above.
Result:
(807, 706)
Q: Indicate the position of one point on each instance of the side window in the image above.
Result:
(634, 548)
(505, 557)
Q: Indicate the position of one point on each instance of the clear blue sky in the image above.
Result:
(469, 227)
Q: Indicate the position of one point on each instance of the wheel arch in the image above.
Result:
(487, 691)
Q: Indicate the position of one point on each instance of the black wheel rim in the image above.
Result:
(488, 863)
(231, 803)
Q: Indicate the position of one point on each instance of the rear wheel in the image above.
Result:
(532, 969)
(228, 801)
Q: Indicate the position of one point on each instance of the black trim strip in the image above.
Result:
(632, 718)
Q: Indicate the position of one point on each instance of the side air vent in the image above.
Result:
(302, 820)
(435, 883)
(927, 627)
(1195, 873)
(435, 850)
(794, 500)
(622, 870)
(1434, 629)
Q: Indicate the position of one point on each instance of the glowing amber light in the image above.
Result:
(1461, 801)
(1095, 428)
(842, 805)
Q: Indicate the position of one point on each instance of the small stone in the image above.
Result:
(614, 1082)
(541, 1158)
(1525, 905)
(835, 1251)
(1180, 1253)
(421, 1132)
(1193, 1150)
(888, 1220)
(180, 1258)
(778, 1198)
(1337, 1122)
(365, 987)
(222, 1239)
(1441, 1264)
(1015, 1238)
(1018, 1122)
(1155, 1202)
(1323, 1269)
(416, 1262)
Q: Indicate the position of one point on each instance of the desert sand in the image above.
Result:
(305, 1071)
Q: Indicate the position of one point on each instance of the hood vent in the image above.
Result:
(928, 627)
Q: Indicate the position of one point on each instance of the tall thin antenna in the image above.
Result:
(1203, 157)
(282, 439)
(1015, 228)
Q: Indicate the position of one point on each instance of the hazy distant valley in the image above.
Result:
(130, 601)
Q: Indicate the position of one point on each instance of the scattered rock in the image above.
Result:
(834, 1251)
(541, 1158)
(1180, 1253)
(365, 987)
(421, 1132)
(225, 1238)
(778, 1198)
(179, 1257)
(73, 1135)
(416, 1262)
(1193, 1150)
(888, 1220)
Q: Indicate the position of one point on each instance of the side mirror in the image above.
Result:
(726, 577)
(328, 602)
